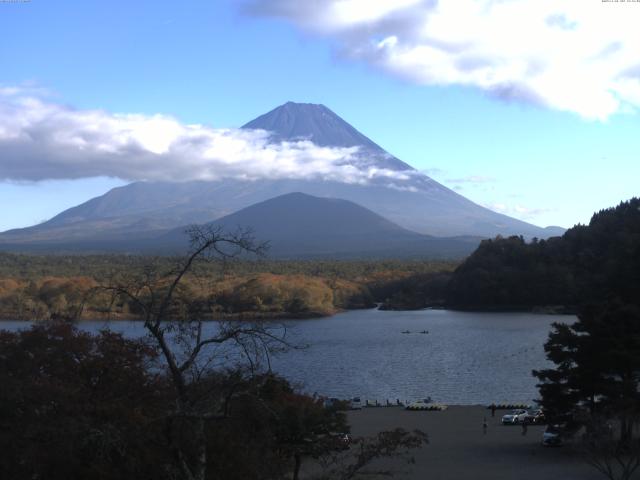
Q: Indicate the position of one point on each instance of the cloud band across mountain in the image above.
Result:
(580, 56)
(41, 140)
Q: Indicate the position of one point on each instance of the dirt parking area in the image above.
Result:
(459, 450)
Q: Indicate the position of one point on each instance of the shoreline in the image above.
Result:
(265, 316)
(208, 318)
(540, 309)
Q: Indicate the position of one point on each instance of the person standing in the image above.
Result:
(524, 427)
(493, 409)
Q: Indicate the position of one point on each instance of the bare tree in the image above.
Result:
(615, 454)
(394, 444)
(190, 347)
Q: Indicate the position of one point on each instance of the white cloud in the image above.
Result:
(40, 140)
(518, 211)
(580, 56)
(471, 179)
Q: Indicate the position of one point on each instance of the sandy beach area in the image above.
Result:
(458, 448)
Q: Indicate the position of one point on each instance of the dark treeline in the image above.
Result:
(591, 263)
(592, 392)
(413, 292)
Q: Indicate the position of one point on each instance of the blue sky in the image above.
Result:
(545, 160)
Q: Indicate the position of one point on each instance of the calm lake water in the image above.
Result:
(466, 358)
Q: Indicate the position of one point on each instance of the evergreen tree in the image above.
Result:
(597, 368)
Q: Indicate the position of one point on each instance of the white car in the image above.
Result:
(552, 436)
(515, 417)
(355, 403)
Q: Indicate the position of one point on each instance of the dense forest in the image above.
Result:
(43, 287)
(589, 263)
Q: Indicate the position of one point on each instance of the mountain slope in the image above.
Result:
(299, 225)
(313, 122)
(323, 127)
(148, 209)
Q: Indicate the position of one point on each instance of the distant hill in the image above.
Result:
(302, 226)
(589, 263)
(145, 210)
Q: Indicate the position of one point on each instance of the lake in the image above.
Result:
(466, 358)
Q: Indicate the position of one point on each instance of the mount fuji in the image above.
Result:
(148, 210)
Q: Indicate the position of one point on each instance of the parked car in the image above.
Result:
(535, 417)
(552, 436)
(355, 403)
(515, 417)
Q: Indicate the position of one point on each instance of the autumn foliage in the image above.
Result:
(75, 405)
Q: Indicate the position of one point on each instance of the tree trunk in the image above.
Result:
(192, 465)
(200, 467)
(625, 431)
(296, 468)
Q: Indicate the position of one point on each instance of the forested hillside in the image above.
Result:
(44, 287)
(589, 263)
